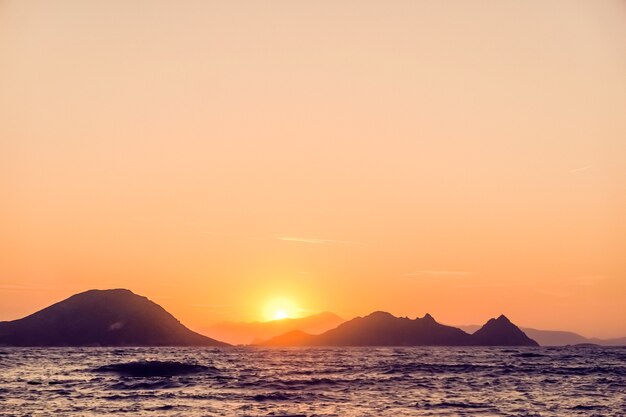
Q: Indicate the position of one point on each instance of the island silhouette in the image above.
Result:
(558, 337)
(118, 317)
(383, 329)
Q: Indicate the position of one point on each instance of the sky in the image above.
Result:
(461, 158)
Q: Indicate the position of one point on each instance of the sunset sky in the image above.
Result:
(230, 158)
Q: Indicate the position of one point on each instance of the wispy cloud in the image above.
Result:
(210, 306)
(575, 170)
(557, 294)
(439, 273)
(18, 287)
(314, 241)
(491, 285)
(589, 280)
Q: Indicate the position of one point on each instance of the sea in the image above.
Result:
(248, 381)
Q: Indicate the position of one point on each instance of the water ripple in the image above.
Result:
(425, 381)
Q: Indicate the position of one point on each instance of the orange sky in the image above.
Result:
(463, 158)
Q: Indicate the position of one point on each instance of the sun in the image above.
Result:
(280, 309)
(280, 314)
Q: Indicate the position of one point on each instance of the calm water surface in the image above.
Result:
(319, 382)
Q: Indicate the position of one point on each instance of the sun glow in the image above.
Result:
(280, 314)
(280, 309)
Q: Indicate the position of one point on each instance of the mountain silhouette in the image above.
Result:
(557, 337)
(247, 333)
(554, 337)
(383, 329)
(294, 338)
(115, 317)
(543, 337)
(618, 341)
(501, 332)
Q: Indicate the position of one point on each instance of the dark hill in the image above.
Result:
(383, 329)
(101, 318)
(501, 332)
(557, 337)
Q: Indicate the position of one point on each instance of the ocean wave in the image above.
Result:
(154, 368)
(386, 382)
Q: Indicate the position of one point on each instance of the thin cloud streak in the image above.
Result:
(589, 280)
(557, 294)
(210, 306)
(15, 287)
(315, 241)
(573, 171)
(438, 273)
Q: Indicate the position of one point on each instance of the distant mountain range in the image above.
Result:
(101, 318)
(383, 329)
(559, 337)
(119, 317)
(251, 333)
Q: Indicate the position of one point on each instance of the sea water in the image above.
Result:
(424, 381)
